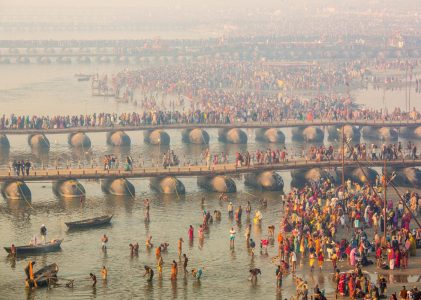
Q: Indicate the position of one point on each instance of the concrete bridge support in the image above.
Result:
(156, 137)
(121, 59)
(357, 175)
(232, 136)
(196, 136)
(382, 133)
(103, 60)
(65, 60)
(84, 60)
(44, 60)
(15, 190)
(39, 141)
(118, 139)
(388, 134)
(4, 142)
(270, 135)
(217, 184)
(410, 177)
(310, 134)
(301, 176)
(23, 60)
(266, 181)
(417, 132)
(79, 140)
(410, 132)
(118, 187)
(406, 132)
(350, 132)
(68, 188)
(167, 185)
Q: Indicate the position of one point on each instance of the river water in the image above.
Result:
(52, 89)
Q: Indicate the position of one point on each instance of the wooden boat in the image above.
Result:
(78, 75)
(89, 223)
(84, 78)
(37, 249)
(44, 276)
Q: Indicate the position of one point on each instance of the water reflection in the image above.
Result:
(153, 154)
(4, 155)
(233, 148)
(80, 155)
(17, 206)
(192, 154)
(40, 156)
(121, 151)
(404, 278)
(112, 202)
(70, 203)
(174, 288)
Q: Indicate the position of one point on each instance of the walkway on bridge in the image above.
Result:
(187, 171)
(280, 124)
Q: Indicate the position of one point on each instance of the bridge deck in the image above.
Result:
(281, 124)
(190, 171)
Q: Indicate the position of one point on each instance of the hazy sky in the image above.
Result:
(212, 16)
(209, 3)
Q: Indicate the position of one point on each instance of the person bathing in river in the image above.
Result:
(174, 270)
(254, 272)
(146, 204)
(190, 232)
(164, 247)
(104, 273)
(230, 210)
(134, 249)
(149, 272)
(197, 273)
(93, 278)
(232, 237)
(248, 209)
(185, 262)
(148, 242)
(217, 215)
(104, 241)
(180, 246)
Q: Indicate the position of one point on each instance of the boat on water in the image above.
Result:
(52, 246)
(90, 223)
(84, 78)
(78, 75)
(44, 277)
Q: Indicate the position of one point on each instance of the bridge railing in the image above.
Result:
(235, 123)
(231, 168)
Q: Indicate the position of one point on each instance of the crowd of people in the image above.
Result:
(170, 159)
(221, 92)
(320, 223)
(21, 167)
(384, 152)
(319, 217)
(191, 77)
(273, 111)
(351, 227)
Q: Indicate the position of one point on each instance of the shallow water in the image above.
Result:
(53, 89)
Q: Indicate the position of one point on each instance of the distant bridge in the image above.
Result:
(245, 125)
